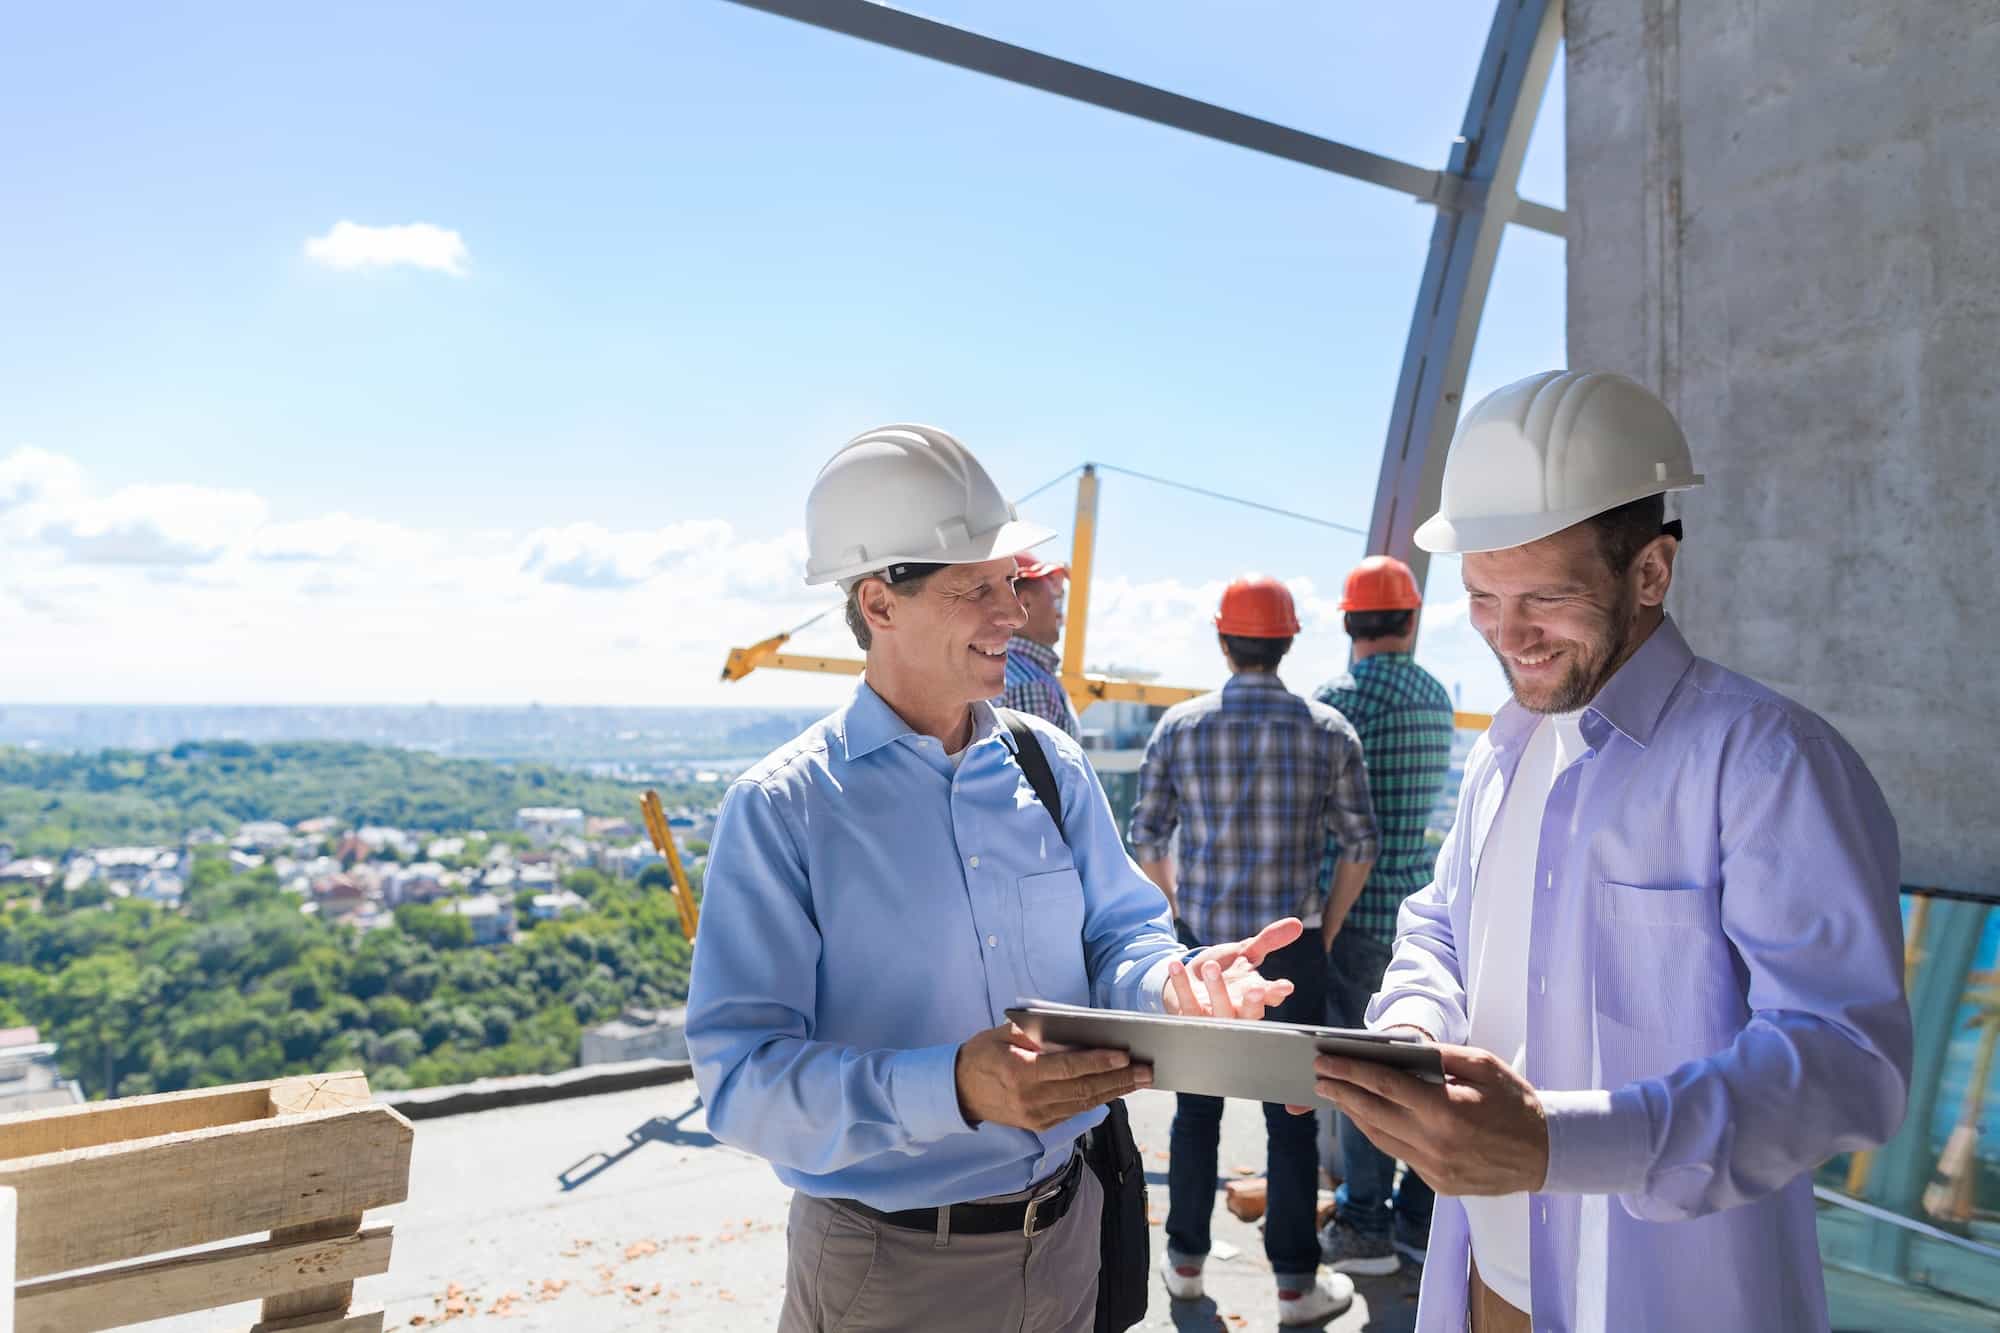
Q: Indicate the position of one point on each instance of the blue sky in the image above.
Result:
(698, 247)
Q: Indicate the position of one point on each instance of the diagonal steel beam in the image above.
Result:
(1465, 243)
(903, 31)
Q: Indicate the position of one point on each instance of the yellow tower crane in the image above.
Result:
(1083, 688)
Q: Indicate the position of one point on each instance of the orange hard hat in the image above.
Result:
(1027, 566)
(1257, 606)
(1381, 583)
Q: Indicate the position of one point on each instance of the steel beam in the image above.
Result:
(902, 31)
(1465, 242)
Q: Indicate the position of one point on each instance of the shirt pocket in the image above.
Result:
(1663, 970)
(1052, 930)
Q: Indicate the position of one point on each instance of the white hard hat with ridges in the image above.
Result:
(907, 494)
(1552, 450)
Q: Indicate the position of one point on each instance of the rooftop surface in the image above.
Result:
(619, 1212)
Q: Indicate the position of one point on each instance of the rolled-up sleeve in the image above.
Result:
(1157, 810)
(768, 1087)
(1810, 870)
(1350, 814)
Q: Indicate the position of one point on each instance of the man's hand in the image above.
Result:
(1004, 1077)
(1231, 986)
(1482, 1132)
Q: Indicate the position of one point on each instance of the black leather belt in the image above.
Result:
(1030, 1216)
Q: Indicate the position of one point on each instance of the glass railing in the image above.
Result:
(1911, 1231)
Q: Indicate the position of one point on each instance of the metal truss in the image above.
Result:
(1474, 195)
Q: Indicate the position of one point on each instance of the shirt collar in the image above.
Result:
(868, 723)
(1253, 680)
(1630, 702)
(1040, 654)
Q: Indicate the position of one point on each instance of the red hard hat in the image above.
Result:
(1381, 583)
(1029, 566)
(1257, 607)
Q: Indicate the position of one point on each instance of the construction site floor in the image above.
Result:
(619, 1212)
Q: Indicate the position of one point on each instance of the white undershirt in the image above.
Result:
(1496, 977)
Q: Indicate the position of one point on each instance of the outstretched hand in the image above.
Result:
(1230, 984)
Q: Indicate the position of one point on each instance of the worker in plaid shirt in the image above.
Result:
(1032, 683)
(1404, 718)
(1255, 779)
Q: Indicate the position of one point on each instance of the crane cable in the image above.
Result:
(1059, 478)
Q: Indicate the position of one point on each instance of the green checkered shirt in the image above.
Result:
(1404, 718)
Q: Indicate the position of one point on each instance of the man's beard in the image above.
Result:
(1589, 671)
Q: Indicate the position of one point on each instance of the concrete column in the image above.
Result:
(1785, 217)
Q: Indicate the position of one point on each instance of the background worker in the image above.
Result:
(879, 892)
(1664, 944)
(1254, 778)
(1403, 716)
(1033, 685)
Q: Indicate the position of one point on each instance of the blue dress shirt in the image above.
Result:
(867, 909)
(1715, 999)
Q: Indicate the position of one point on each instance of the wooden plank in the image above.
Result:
(115, 1297)
(114, 1202)
(320, 1092)
(6, 1260)
(359, 1321)
(33, 1133)
(326, 1299)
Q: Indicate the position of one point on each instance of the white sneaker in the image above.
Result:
(1183, 1282)
(1329, 1296)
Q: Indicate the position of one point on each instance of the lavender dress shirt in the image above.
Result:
(1715, 999)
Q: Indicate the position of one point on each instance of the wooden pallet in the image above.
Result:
(122, 1183)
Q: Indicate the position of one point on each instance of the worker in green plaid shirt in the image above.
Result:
(1404, 719)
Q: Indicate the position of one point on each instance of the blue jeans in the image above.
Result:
(1292, 1168)
(1354, 969)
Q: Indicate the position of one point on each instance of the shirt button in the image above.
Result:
(974, 863)
(1545, 986)
(992, 941)
(1545, 1213)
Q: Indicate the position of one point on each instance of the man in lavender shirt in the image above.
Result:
(1663, 947)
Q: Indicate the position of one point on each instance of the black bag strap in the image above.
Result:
(1034, 762)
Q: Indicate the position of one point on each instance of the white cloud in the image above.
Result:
(179, 593)
(350, 245)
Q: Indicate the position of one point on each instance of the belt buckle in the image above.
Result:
(1028, 1218)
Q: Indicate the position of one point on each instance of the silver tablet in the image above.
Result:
(1261, 1061)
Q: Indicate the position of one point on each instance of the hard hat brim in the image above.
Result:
(1473, 533)
(1007, 539)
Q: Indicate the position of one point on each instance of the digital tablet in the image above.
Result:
(1222, 1057)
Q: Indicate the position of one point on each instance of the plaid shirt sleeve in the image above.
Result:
(1350, 815)
(1157, 810)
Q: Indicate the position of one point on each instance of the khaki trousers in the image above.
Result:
(1490, 1314)
(846, 1272)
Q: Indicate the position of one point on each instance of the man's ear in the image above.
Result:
(878, 604)
(1653, 570)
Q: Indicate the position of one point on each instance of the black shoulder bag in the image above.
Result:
(1125, 1246)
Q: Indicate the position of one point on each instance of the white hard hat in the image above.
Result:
(1552, 450)
(906, 494)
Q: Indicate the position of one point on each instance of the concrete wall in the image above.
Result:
(1785, 217)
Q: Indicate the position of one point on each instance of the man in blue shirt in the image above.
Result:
(881, 889)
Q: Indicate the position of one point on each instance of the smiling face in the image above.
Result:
(1559, 619)
(1042, 599)
(947, 645)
